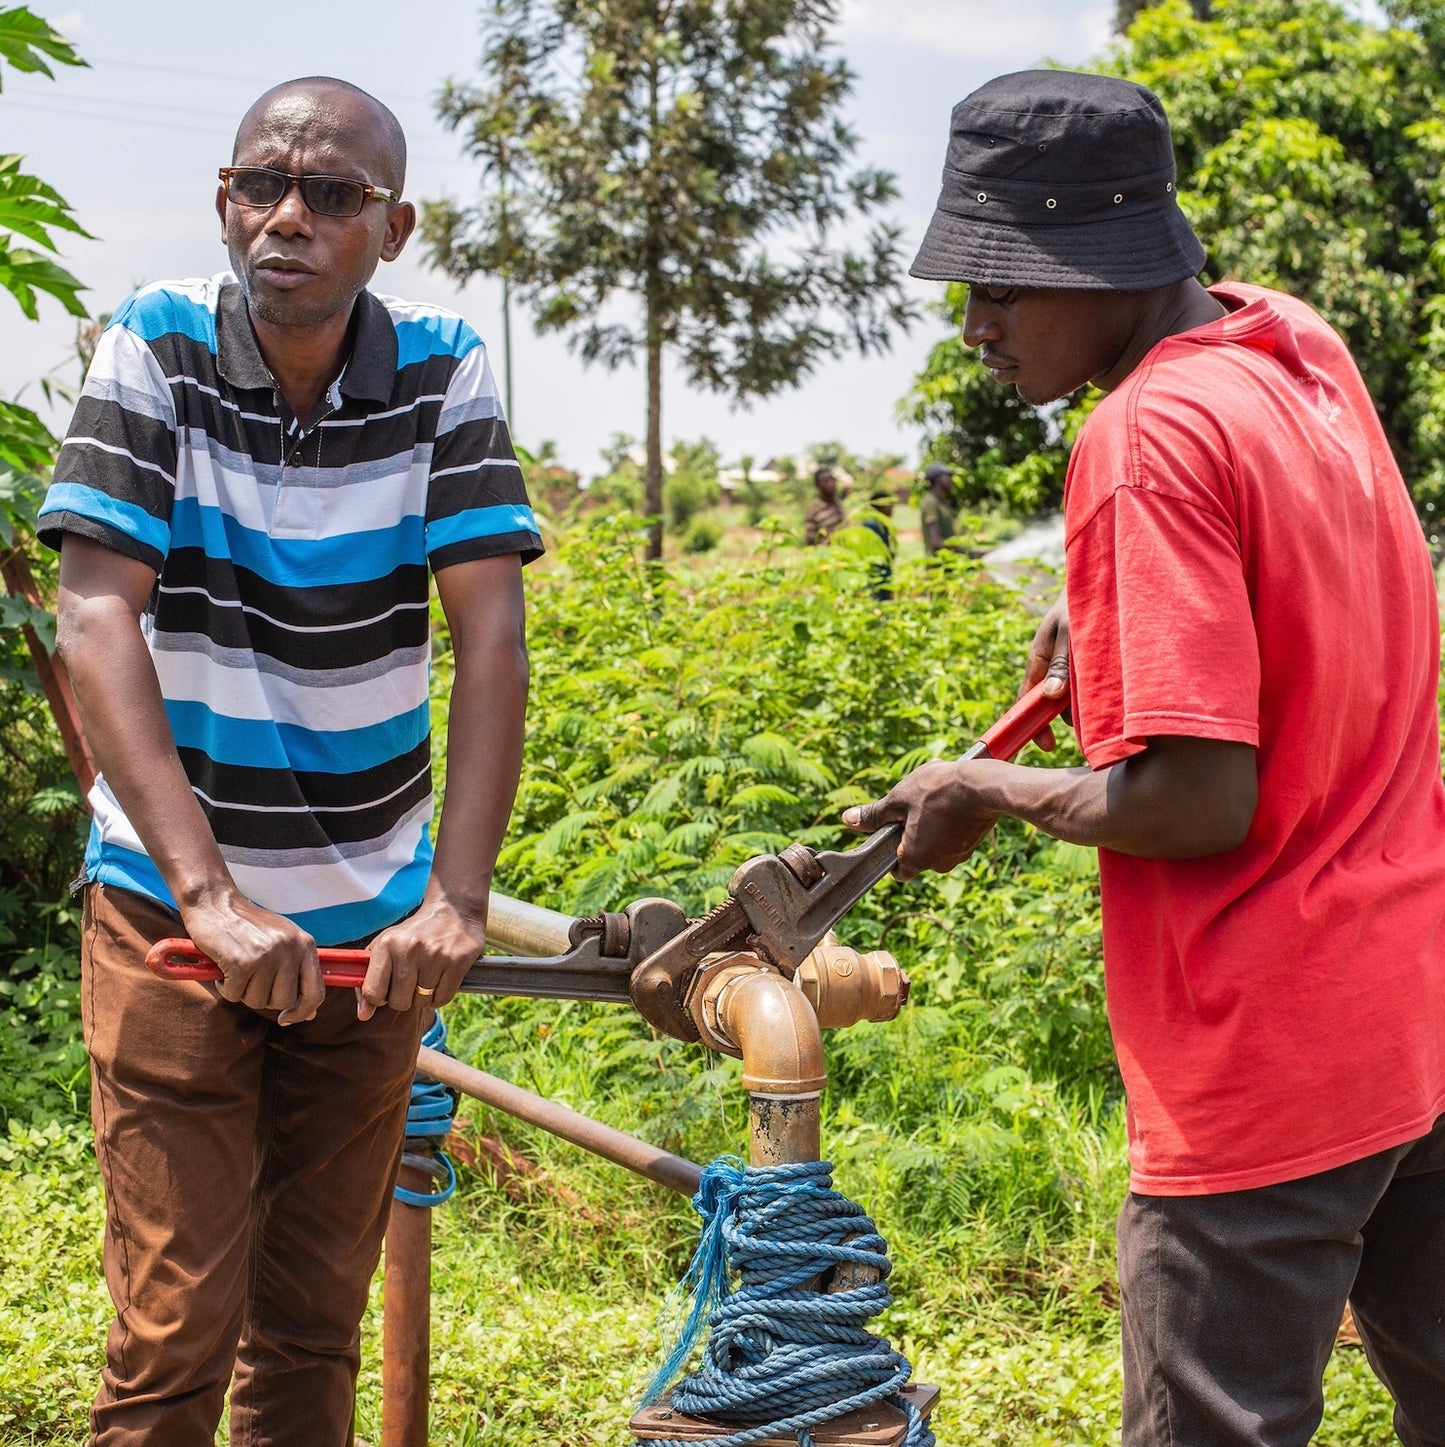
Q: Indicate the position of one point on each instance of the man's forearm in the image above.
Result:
(486, 720)
(426, 956)
(266, 961)
(130, 737)
(1178, 799)
(485, 725)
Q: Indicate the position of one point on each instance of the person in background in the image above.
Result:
(264, 470)
(825, 513)
(1254, 660)
(937, 510)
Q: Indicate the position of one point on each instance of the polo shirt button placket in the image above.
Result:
(290, 445)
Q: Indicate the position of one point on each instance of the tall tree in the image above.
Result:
(651, 149)
(1311, 158)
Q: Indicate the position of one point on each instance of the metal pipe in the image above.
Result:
(406, 1319)
(771, 1022)
(602, 1140)
(526, 929)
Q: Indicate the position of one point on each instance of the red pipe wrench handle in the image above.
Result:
(181, 960)
(1018, 726)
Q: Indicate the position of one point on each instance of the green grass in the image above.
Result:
(547, 1310)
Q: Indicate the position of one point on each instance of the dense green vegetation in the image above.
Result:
(41, 814)
(1311, 157)
(681, 721)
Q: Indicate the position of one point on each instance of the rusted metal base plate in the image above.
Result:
(881, 1425)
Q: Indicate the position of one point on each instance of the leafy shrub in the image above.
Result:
(684, 496)
(691, 486)
(703, 535)
(43, 1071)
(53, 1307)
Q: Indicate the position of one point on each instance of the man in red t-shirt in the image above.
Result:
(1255, 650)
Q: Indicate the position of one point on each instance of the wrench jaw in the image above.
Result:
(794, 898)
(652, 923)
(657, 993)
(778, 907)
(660, 984)
(598, 965)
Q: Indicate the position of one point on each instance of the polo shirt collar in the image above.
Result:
(368, 375)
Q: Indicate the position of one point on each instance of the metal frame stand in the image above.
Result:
(881, 1425)
(749, 1011)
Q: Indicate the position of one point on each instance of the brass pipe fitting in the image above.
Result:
(845, 987)
(841, 985)
(745, 1008)
(756, 1013)
(738, 1008)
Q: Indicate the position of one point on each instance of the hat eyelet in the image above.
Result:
(983, 196)
(1118, 199)
(1169, 186)
(1051, 203)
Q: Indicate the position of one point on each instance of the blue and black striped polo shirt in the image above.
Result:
(289, 626)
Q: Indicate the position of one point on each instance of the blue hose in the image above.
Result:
(782, 1355)
(429, 1119)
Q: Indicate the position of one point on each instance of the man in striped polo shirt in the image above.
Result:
(261, 471)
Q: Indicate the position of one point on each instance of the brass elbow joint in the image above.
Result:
(743, 1007)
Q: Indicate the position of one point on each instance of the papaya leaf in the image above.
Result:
(26, 40)
(17, 613)
(29, 207)
(24, 272)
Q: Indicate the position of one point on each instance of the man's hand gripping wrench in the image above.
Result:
(780, 906)
(603, 954)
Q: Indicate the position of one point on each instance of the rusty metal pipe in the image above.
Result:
(602, 1140)
(406, 1320)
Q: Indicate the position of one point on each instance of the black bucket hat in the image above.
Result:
(1058, 179)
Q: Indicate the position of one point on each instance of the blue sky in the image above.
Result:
(133, 143)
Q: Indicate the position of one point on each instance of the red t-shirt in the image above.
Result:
(1244, 563)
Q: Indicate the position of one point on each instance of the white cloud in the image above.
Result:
(983, 32)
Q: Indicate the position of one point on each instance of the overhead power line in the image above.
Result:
(100, 62)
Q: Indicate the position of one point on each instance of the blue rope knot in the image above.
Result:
(782, 1353)
(429, 1118)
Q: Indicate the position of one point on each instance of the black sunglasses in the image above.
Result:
(325, 195)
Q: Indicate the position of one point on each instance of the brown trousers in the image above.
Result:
(248, 1173)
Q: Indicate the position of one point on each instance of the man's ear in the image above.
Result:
(221, 208)
(400, 223)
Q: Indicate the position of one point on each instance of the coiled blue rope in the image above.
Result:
(782, 1355)
(429, 1118)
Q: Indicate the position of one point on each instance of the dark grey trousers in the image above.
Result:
(1231, 1302)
